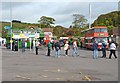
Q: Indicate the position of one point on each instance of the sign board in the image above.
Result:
(31, 35)
(16, 36)
(26, 35)
(7, 27)
(36, 35)
(101, 34)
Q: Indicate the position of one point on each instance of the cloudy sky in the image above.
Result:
(61, 11)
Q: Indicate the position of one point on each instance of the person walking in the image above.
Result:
(66, 47)
(57, 49)
(95, 50)
(49, 48)
(112, 50)
(75, 47)
(104, 49)
(36, 47)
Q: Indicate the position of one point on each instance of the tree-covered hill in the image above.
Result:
(17, 25)
(109, 19)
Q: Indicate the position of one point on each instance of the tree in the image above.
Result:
(79, 21)
(109, 19)
(46, 21)
(110, 30)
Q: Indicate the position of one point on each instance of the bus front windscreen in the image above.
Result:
(100, 40)
(101, 30)
(104, 30)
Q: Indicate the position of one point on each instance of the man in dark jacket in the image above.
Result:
(57, 49)
(49, 48)
(104, 49)
(16, 45)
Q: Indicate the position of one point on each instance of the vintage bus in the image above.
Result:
(98, 33)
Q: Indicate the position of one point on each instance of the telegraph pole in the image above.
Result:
(11, 25)
(89, 15)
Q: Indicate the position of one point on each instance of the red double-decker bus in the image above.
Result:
(98, 33)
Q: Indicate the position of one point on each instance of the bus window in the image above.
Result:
(103, 30)
(97, 30)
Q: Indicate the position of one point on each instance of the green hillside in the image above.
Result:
(15, 25)
(109, 19)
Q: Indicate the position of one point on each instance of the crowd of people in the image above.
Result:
(56, 45)
(75, 45)
(112, 48)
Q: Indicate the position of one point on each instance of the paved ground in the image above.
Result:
(18, 66)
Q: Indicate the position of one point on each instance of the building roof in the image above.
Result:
(47, 29)
(32, 27)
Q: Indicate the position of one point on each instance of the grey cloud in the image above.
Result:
(65, 11)
(7, 5)
(61, 18)
(72, 7)
(62, 11)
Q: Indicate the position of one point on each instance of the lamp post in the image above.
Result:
(11, 26)
(89, 15)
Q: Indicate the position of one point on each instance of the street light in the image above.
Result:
(89, 15)
(11, 26)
